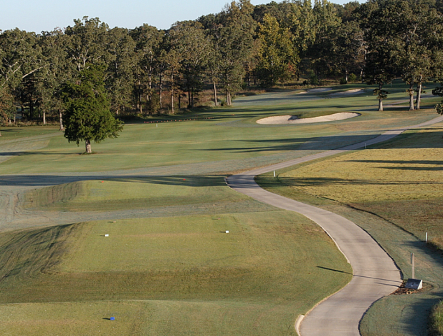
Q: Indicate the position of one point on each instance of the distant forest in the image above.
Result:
(147, 70)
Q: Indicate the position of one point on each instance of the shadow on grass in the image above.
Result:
(320, 143)
(324, 181)
(50, 180)
(18, 153)
(333, 270)
(407, 165)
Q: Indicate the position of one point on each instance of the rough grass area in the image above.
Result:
(393, 192)
(436, 323)
(255, 279)
(26, 254)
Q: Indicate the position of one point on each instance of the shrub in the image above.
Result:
(352, 77)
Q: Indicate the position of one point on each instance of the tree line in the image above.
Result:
(146, 69)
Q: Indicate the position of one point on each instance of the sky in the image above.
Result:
(45, 15)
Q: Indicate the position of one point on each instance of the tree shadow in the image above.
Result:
(325, 181)
(333, 270)
(406, 165)
(315, 143)
(51, 180)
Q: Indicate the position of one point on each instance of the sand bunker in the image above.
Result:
(320, 90)
(288, 119)
(336, 94)
(347, 93)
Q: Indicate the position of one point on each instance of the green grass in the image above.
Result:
(436, 328)
(231, 135)
(254, 280)
(393, 191)
(16, 133)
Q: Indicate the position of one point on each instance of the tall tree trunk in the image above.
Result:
(149, 84)
(139, 97)
(88, 146)
(215, 93)
(172, 93)
(228, 98)
(62, 128)
(411, 97)
(380, 100)
(160, 89)
(418, 100)
(148, 100)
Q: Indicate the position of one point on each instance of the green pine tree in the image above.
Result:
(88, 116)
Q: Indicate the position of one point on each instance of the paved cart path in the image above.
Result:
(374, 273)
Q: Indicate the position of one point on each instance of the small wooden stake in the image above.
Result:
(413, 265)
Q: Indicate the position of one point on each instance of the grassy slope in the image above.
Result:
(393, 192)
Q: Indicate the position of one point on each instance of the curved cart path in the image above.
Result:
(374, 273)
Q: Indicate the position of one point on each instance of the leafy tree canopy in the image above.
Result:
(88, 116)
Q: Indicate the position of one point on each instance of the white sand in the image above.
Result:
(346, 93)
(314, 90)
(288, 119)
(320, 90)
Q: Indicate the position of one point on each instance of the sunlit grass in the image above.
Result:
(265, 269)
